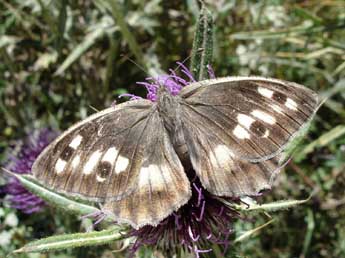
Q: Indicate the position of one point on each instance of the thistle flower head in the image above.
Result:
(171, 81)
(205, 220)
(20, 161)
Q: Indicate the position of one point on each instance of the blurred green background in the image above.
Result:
(61, 59)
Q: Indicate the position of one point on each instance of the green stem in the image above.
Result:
(202, 45)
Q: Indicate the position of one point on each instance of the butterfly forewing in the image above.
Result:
(121, 157)
(100, 157)
(235, 129)
(256, 117)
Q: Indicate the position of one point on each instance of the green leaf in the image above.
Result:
(294, 142)
(117, 13)
(306, 27)
(251, 232)
(325, 139)
(61, 242)
(272, 206)
(80, 49)
(54, 198)
(202, 45)
(309, 234)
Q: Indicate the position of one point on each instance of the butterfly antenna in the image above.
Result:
(178, 66)
(186, 59)
(136, 64)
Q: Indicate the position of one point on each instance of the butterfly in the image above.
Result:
(133, 157)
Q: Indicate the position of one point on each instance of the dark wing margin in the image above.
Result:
(236, 128)
(162, 186)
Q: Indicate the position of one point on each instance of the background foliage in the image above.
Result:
(60, 58)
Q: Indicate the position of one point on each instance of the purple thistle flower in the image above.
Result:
(171, 81)
(206, 219)
(20, 161)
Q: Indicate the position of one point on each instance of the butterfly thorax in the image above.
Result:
(169, 110)
(168, 107)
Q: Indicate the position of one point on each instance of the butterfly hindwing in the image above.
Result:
(236, 128)
(220, 172)
(162, 186)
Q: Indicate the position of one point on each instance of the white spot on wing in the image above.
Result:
(291, 104)
(264, 116)
(277, 109)
(92, 162)
(223, 152)
(60, 166)
(75, 161)
(144, 177)
(76, 142)
(221, 156)
(154, 176)
(265, 92)
(240, 132)
(245, 120)
(266, 134)
(100, 179)
(121, 164)
(110, 155)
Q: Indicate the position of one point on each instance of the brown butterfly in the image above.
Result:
(131, 157)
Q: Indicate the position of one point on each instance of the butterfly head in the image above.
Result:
(166, 101)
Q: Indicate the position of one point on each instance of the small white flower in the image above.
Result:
(241, 49)
(5, 238)
(11, 220)
(276, 15)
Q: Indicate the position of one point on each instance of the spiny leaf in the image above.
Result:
(72, 241)
(54, 198)
(272, 206)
